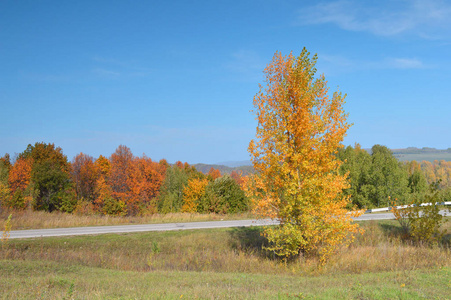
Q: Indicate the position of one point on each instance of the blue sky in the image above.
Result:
(175, 79)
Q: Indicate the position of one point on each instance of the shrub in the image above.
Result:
(422, 223)
(6, 231)
(17, 200)
(114, 207)
(223, 195)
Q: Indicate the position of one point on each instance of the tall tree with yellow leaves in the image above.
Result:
(192, 193)
(300, 128)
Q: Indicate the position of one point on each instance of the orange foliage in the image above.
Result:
(238, 177)
(20, 174)
(145, 180)
(214, 173)
(102, 188)
(84, 175)
(103, 192)
(103, 165)
(121, 161)
(299, 131)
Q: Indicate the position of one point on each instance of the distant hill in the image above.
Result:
(204, 168)
(407, 154)
(420, 154)
(234, 164)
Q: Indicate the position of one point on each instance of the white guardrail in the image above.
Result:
(404, 206)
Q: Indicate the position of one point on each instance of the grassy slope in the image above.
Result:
(220, 263)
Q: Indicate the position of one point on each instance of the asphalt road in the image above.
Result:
(36, 233)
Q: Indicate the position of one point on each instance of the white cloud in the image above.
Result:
(406, 63)
(333, 64)
(106, 73)
(425, 18)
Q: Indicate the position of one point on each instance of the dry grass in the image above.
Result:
(28, 219)
(220, 264)
(229, 250)
(381, 248)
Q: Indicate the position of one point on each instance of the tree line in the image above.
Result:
(379, 179)
(42, 178)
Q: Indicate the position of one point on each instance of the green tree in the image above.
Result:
(357, 164)
(171, 192)
(417, 182)
(171, 197)
(54, 189)
(4, 186)
(223, 195)
(388, 177)
(50, 177)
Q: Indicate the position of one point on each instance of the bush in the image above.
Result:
(84, 207)
(17, 200)
(422, 223)
(223, 195)
(114, 207)
(67, 201)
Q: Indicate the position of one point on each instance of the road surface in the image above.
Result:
(36, 233)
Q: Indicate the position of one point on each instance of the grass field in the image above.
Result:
(50, 280)
(221, 263)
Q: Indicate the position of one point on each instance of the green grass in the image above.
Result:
(221, 263)
(50, 280)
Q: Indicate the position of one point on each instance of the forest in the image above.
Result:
(42, 178)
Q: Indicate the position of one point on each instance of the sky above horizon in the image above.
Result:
(176, 79)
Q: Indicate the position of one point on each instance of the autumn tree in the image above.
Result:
(19, 184)
(300, 127)
(20, 173)
(121, 161)
(238, 177)
(172, 190)
(102, 189)
(213, 174)
(84, 175)
(103, 165)
(145, 180)
(192, 193)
